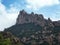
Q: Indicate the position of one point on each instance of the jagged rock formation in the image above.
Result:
(34, 29)
(30, 18)
(24, 17)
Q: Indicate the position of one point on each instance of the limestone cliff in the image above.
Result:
(24, 17)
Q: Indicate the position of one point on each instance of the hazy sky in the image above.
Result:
(9, 10)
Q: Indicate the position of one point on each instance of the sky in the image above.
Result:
(9, 10)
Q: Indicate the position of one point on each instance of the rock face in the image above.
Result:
(24, 17)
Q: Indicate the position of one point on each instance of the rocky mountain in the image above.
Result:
(34, 29)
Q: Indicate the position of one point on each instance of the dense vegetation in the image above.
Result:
(24, 29)
(7, 39)
(32, 34)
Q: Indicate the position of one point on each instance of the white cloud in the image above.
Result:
(36, 4)
(7, 16)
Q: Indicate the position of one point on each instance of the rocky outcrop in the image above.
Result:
(24, 17)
